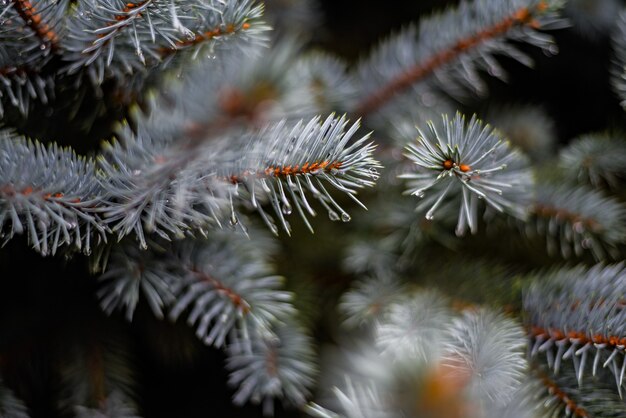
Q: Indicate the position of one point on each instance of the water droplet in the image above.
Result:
(578, 227)
(223, 317)
(136, 172)
(287, 209)
(430, 216)
(233, 219)
(42, 47)
(345, 217)
(333, 215)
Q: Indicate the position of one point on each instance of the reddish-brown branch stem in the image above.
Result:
(546, 211)
(523, 16)
(19, 71)
(204, 37)
(563, 397)
(10, 191)
(123, 16)
(234, 297)
(582, 337)
(290, 170)
(33, 20)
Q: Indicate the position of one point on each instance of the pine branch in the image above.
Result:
(325, 82)
(118, 39)
(414, 328)
(357, 400)
(577, 219)
(49, 193)
(223, 283)
(426, 362)
(468, 162)
(565, 396)
(29, 37)
(259, 167)
(227, 285)
(156, 186)
(469, 36)
(10, 406)
(206, 27)
(284, 172)
(490, 348)
(32, 17)
(576, 314)
(133, 273)
(595, 159)
(618, 68)
(98, 379)
(369, 299)
(20, 85)
(272, 366)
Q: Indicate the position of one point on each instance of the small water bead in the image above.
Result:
(287, 209)
(345, 217)
(333, 215)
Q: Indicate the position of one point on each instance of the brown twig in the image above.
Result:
(564, 398)
(523, 16)
(234, 297)
(33, 20)
(208, 35)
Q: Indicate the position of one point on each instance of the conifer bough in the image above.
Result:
(468, 162)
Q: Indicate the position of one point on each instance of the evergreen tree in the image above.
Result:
(163, 163)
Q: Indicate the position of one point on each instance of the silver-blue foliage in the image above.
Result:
(50, 194)
(575, 219)
(577, 315)
(595, 159)
(276, 364)
(448, 50)
(10, 406)
(461, 163)
(117, 38)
